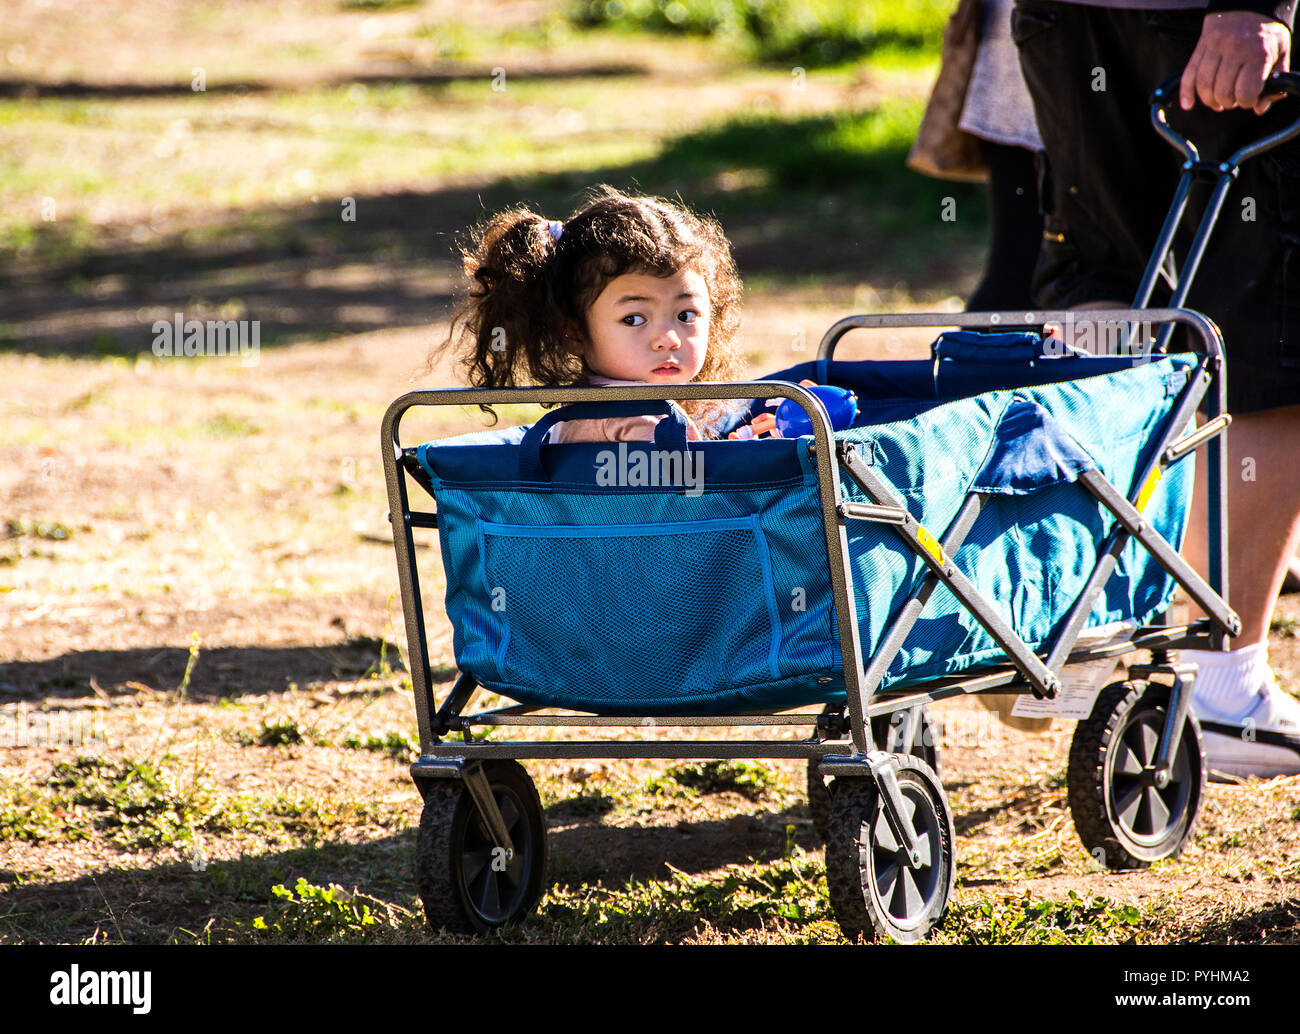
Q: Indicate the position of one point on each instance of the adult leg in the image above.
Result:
(1015, 230)
(1251, 726)
(1263, 515)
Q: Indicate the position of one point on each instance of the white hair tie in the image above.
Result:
(556, 229)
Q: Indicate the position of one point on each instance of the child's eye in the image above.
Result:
(633, 320)
(688, 315)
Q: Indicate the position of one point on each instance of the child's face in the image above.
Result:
(649, 328)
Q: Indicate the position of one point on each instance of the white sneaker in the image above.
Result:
(1263, 740)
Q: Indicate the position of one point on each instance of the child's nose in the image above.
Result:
(668, 338)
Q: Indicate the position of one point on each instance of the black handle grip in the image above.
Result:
(1279, 82)
(1283, 82)
(1287, 83)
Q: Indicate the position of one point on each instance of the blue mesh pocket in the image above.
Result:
(631, 616)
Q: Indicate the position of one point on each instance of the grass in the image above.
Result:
(51, 531)
(805, 32)
(316, 914)
(750, 779)
(280, 794)
(1028, 920)
(397, 745)
(271, 863)
(133, 803)
(279, 732)
(790, 890)
(151, 188)
(792, 168)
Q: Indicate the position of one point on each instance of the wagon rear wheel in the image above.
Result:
(1123, 816)
(467, 883)
(888, 731)
(873, 891)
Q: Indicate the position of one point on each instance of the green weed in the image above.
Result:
(183, 689)
(747, 778)
(320, 913)
(1287, 628)
(223, 425)
(54, 531)
(396, 745)
(1023, 920)
(377, 5)
(279, 732)
(667, 910)
(310, 816)
(26, 814)
(139, 803)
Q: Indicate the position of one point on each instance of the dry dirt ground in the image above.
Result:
(168, 516)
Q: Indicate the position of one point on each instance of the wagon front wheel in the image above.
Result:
(1124, 817)
(467, 883)
(874, 892)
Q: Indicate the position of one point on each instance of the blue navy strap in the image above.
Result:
(669, 433)
(973, 346)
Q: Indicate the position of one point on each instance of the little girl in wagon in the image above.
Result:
(627, 290)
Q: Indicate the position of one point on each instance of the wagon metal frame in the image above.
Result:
(1037, 673)
(842, 744)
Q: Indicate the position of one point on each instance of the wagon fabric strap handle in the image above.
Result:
(971, 346)
(670, 433)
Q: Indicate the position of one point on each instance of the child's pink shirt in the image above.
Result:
(614, 429)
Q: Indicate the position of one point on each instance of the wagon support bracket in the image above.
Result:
(1180, 698)
(471, 773)
(881, 769)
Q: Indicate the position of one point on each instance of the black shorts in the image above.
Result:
(1108, 179)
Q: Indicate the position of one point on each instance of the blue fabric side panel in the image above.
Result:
(1031, 451)
(1031, 554)
(499, 653)
(620, 602)
(769, 595)
(931, 462)
(677, 610)
(589, 531)
(743, 464)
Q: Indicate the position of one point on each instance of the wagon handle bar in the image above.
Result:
(1222, 171)
(1287, 83)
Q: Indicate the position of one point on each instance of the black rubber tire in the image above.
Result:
(465, 886)
(1123, 819)
(873, 893)
(924, 745)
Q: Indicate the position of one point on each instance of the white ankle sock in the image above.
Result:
(1227, 682)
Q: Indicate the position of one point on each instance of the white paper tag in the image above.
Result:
(1080, 683)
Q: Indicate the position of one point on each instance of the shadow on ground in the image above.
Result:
(152, 904)
(805, 199)
(222, 671)
(76, 89)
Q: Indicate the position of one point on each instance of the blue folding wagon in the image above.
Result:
(987, 506)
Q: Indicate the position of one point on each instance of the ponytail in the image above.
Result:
(515, 327)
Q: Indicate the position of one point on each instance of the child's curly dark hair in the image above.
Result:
(524, 319)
